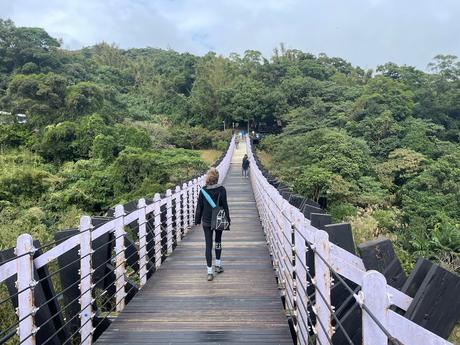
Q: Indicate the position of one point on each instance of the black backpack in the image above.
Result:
(219, 219)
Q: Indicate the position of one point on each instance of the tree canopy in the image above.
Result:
(106, 125)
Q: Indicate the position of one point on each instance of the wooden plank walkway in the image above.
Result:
(241, 306)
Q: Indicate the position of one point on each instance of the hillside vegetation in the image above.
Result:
(380, 151)
(96, 133)
(105, 125)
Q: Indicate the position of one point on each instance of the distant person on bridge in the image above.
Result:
(237, 141)
(203, 213)
(245, 166)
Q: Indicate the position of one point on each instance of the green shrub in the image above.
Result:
(196, 138)
(16, 135)
(58, 142)
(221, 145)
(387, 218)
(340, 212)
(105, 147)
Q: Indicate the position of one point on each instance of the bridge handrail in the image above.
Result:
(295, 244)
(24, 264)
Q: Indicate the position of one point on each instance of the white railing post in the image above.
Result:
(142, 242)
(177, 198)
(157, 230)
(191, 211)
(196, 189)
(120, 262)
(185, 208)
(86, 272)
(374, 296)
(284, 224)
(25, 284)
(323, 288)
(292, 217)
(169, 239)
(301, 277)
(278, 233)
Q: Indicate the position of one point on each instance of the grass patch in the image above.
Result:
(266, 159)
(210, 156)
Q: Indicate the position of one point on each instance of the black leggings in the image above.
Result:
(208, 233)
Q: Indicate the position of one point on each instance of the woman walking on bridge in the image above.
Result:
(218, 196)
(245, 166)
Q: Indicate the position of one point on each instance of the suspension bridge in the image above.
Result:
(138, 276)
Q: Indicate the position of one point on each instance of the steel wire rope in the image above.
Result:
(392, 339)
(330, 309)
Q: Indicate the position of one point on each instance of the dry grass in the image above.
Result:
(210, 156)
(365, 226)
(266, 159)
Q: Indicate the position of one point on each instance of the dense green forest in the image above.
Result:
(105, 125)
(380, 150)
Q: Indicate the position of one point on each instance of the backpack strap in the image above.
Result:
(209, 199)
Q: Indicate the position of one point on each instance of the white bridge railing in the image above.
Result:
(307, 265)
(25, 263)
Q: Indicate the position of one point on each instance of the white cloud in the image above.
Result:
(366, 32)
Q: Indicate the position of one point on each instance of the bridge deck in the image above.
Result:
(241, 305)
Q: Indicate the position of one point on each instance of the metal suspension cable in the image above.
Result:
(177, 224)
(63, 326)
(101, 265)
(319, 322)
(330, 310)
(90, 319)
(321, 295)
(8, 336)
(60, 293)
(276, 204)
(78, 281)
(102, 320)
(97, 282)
(78, 260)
(15, 324)
(70, 286)
(17, 257)
(75, 299)
(61, 240)
(64, 308)
(362, 305)
(309, 320)
(10, 298)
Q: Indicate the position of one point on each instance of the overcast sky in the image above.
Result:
(365, 32)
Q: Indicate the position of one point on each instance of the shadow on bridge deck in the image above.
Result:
(241, 306)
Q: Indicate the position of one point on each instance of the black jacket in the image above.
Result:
(245, 163)
(204, 210)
